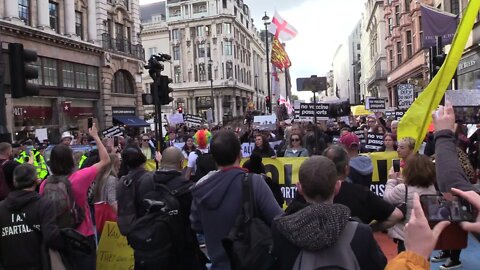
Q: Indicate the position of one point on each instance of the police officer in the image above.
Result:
(22, 155)
(39, 161)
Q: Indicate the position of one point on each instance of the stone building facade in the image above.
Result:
(89, 58)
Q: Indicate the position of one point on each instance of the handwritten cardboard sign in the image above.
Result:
(113, 251)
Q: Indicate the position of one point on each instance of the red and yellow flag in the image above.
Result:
(280, 57)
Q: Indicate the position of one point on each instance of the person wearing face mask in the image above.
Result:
(7, 166)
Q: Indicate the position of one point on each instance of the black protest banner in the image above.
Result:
(395, 114)
(361, 135)
(376, 104)
(374, 141)
(310, 109)
(405, 95)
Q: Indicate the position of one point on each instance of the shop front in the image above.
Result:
(46, 118)
(468, 71)
(127, 118)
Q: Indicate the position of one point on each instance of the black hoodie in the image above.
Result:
(19, 244)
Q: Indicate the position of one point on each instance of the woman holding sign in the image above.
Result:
(295, 148)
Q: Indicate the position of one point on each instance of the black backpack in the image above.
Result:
(126, 194)
(159, 235)
(205, 164)
(249, 244)
(58, 190)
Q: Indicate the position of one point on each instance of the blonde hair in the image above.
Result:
(408, 141)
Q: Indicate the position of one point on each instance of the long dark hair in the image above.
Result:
(185, 147)
(61, 160)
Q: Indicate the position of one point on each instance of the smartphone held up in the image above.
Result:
(447, 207)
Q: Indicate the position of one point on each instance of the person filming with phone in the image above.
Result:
(420, 240)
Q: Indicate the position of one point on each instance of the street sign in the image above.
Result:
(313, 84)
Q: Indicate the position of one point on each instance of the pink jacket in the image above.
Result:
(81, 181)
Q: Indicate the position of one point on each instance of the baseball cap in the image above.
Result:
(349, 139)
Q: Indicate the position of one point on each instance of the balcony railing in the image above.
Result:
(379, 74)
(122, 46)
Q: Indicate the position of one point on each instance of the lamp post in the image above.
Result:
(266, 22)
(212, 103)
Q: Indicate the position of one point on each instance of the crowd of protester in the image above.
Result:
(201, 188)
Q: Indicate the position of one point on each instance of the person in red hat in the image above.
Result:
(361, 168)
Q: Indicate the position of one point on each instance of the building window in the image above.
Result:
(200, 31)
(177, 72)
(454, 7)
(227, 48)
(92, 73)
(229, 70)
(81, 76)
(79, 24)
(53, 13)
(390, 26)
(50, 72)
(201, 50)
(202, 74)
(224, 3)
(176, 52)
(38, 65)
(199, 8)
(68, 75)
(122, 82)
(227, 28)
(409, 44)
(399, 53)
(24, 11)
(397, 15)
(152, 51)
(219, 28)
(175, 34)
(407, 5)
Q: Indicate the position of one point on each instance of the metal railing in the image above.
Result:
(122, 46)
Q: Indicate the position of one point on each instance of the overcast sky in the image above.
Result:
(322, 26)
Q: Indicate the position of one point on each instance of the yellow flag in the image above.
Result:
(416, 120)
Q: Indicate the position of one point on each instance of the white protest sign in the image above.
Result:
(176, 118)
(41, 134)
(405, 95)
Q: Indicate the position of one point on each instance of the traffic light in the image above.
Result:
(437, 63)
(165, 90)
(180, 110)
(268, 103)
(21, 71)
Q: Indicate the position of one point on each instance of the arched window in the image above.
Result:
(122, 82)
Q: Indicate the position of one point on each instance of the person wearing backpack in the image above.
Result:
(67, 189)
(161, 234)
(217, 201)
(320, 235)
(200, 161)
(27, 223)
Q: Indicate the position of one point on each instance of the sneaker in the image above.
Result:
(202, 245)
(450, 265)
(442, 256)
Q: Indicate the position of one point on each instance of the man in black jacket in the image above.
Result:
(321, 230)
(26, 220)
(188, 255)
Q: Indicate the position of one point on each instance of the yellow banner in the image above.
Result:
(113, 251)
(416, 120)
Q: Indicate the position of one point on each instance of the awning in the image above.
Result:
(131, 121)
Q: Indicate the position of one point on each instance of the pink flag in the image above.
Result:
(281, 29)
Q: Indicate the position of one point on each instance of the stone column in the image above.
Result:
(92, 21)
(43, 16)
(220, 108)
(69, 17)
(234, 104)
(11, 9)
